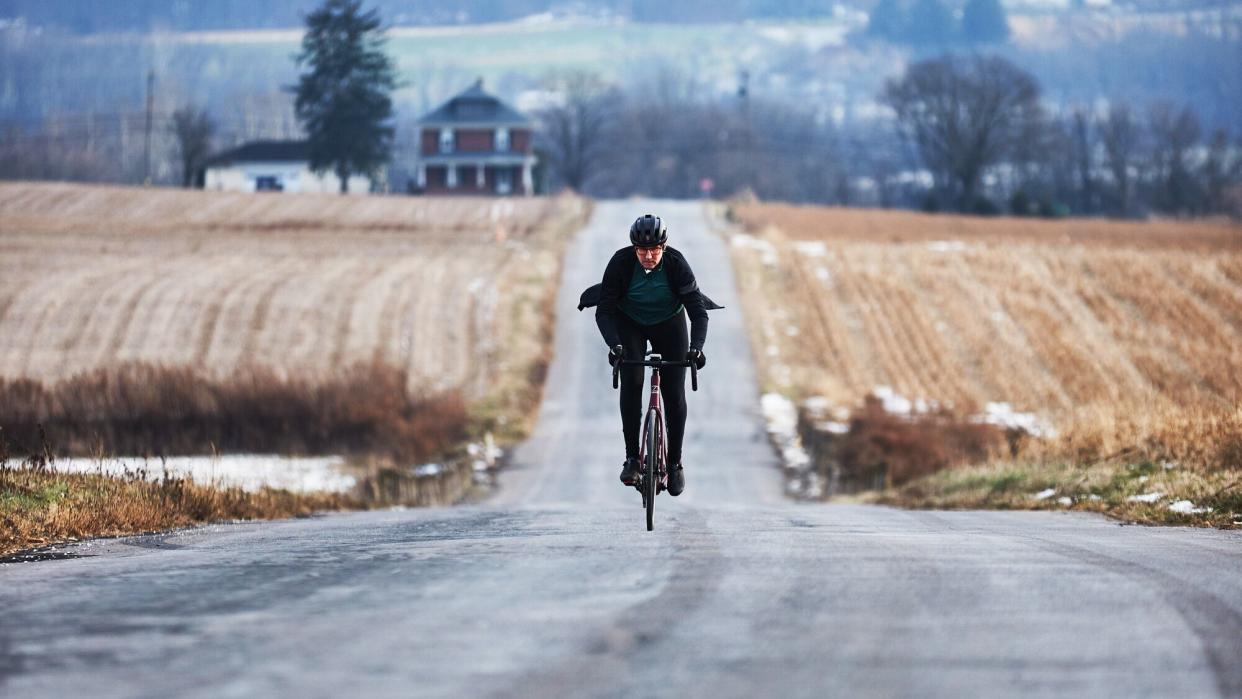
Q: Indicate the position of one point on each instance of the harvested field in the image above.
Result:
(1122, 339)
(306, 285)
(152, 321)
(1052, 317)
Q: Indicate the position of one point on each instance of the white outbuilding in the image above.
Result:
(273, 166)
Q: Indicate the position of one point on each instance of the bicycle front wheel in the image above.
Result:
(651, 432)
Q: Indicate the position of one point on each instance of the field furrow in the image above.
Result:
(308, 285)
(1115, 320)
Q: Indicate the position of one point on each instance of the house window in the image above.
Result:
(268, 183)
(446, 140)
(504, 180)
(502, 139)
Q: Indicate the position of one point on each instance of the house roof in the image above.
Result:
(263, 152)
(474, 106)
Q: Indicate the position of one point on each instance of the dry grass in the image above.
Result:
(165, 321)
(886, 226)
(1126, 337)
(143, 410)
(39, 506)
(453, 292)
(1114, 488)
(303, 284)
(883, 450)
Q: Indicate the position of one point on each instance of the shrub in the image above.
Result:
(147, 410)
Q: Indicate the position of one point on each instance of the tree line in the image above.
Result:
(965, 133)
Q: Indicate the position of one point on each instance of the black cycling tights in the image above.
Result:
(672, 341)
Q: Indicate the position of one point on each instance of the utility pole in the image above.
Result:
(743, 97)
(146, 150)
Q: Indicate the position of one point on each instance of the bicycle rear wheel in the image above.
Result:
(652, 434)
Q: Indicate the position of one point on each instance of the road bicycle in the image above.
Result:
(653, 451)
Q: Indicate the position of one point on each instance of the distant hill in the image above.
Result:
(92, 16)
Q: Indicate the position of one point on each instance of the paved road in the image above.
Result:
(554, 588)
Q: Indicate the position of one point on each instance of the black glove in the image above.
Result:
(697, 356)
(615, 355)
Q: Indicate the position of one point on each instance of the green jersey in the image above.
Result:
(649, 299)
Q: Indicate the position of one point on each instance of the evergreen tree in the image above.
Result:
(343, 99)
(984, 22)
(931, 25)
(887, 21)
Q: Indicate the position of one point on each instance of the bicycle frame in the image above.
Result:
(655, 408)
(656, 405)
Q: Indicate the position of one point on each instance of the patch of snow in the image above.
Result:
(795, 456)
(782, 421)
(947, 246)
(780, 414)
(1186, 507)
(817, 405)
(1045, 494)
(1094, 498)
(427, 470)
(1064, 501)
(1168, 465)
(1003, 415)
(814, 486)
(486, 451)
(792, 330)
(892, 401)
(823, 274)
(766, 250)
(832, 427)
(811, 248)
(250, 472)
(1145, 497)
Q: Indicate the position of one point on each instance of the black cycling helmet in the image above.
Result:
(648, 231)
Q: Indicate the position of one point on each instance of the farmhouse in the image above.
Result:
(475, 144)
(273, 166)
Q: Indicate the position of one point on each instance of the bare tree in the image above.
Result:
(1083, 145)
(192, 128)
(1174, 132)
(964, 114)
(1122, 139)
(574, 132)
(1221, 171)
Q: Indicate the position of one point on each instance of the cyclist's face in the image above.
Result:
(650, 257)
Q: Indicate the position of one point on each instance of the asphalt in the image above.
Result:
(553, 587)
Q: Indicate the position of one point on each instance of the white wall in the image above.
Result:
(294, 177)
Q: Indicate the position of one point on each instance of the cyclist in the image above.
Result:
(647, 292)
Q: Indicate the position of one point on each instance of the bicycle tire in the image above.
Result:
(649, 481)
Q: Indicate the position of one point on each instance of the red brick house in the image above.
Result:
(475, 144)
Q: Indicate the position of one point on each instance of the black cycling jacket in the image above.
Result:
(617, 275)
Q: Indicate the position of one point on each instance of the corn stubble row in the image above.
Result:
(93, 277)
(1126, 337)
